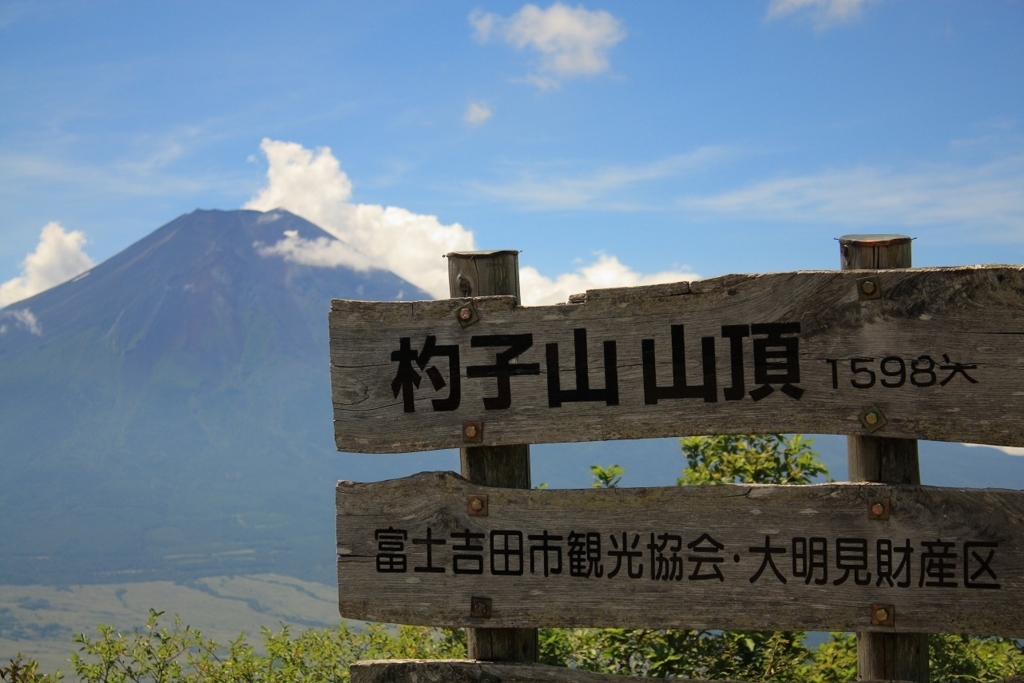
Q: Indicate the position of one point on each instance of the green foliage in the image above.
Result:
(750, 459)
(962, 659)
(157, 654)
(834, 660)
(23, 670)
(952, 659)
(606, 477)
(669, 653)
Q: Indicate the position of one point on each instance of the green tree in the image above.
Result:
(606, 477)
(750, 459)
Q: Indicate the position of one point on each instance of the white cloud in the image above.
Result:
(823, 13)
(988, 199)
(322, 252)
(23, 318)
(57, 258)
(311, 184)
(477, 113)
(605, 272)
(570, 41)
(1009, 450)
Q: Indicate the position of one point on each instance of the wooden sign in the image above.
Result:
(435, 549)
(474, 671)
(922, 353)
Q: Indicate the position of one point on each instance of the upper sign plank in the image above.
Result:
(920, 353)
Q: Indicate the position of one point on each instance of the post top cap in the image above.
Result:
(880, 240)
(480, 254)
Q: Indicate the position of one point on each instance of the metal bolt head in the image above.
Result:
(465, 314)
(472, 432)
(873, 419)
(480, 608)
(868, 287)
(878, 508)
(476, 505)
(883, 615)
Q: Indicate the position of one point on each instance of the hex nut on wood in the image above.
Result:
(883, 615)
(873, 419)
(466, 315)
(480, 608)
(878, 508)
(869, 288)
(476, 506)
(473, 432)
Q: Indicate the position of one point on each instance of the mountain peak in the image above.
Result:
(176, 391)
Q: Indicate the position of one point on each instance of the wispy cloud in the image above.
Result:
(606, 271)
(822, 13)
(20, 317)
(144, 165)
(1009, 450)
(145, 177)
(570, 42)
(988, 198)
(602, 188)
(58, 257)
(312, 184)
(477, 113)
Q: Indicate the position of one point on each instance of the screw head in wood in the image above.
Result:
(883, 615)
(480, 608)
(466, 315)
(878, 508)
(472, 432)
(873, 419)
(476, 506)
(869, 288)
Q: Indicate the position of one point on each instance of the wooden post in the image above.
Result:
(488, 273)
(884, 656)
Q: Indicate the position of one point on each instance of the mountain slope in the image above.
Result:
(168, 413)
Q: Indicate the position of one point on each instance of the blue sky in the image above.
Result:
(611, 142)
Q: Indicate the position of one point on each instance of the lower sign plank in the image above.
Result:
(921, 354)
(435, 549)
(471, 671)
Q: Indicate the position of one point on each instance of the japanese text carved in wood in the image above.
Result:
(853, 557)
(927, 353)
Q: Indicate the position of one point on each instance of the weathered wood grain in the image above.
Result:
(471, 671)
(971, 316)
(492, 273)
(884, 461)
(738, 517)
